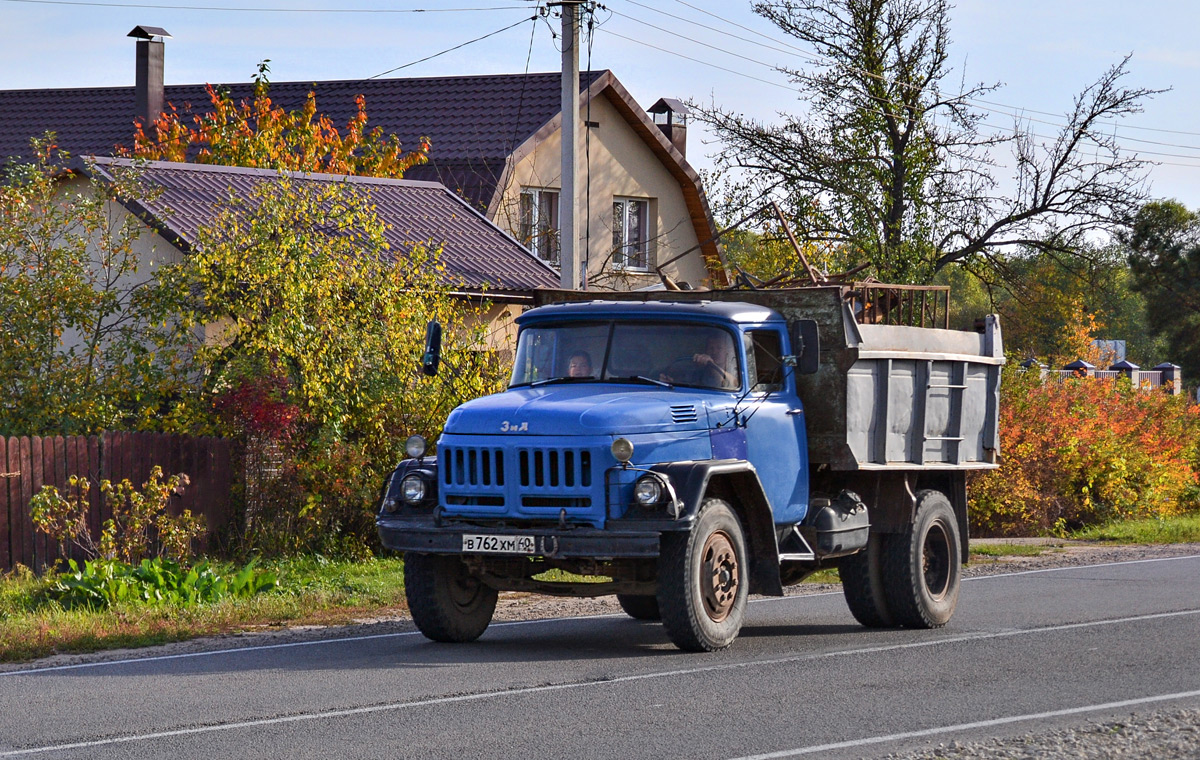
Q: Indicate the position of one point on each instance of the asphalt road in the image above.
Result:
(1024, 651)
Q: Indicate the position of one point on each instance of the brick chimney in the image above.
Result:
(670, 116)
(148, 84)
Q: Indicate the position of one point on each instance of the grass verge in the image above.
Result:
(984, 549)
(1171, 530)
(312, 591)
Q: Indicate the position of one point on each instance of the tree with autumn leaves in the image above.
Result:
(259, 133)
(304, 325)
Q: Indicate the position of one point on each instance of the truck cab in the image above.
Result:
(659, 448)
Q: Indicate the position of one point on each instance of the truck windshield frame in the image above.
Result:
(680, 353)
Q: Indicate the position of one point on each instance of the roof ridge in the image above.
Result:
(308, 83)
(254, 171)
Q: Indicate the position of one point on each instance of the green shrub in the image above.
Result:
(104, 583)
(140, 526)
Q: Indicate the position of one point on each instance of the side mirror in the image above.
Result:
(807, 345)
(433, 349)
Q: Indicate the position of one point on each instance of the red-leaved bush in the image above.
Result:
(258, 407)
(1083, 451)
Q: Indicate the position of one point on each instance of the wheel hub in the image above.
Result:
(719, 576)
(935, 561)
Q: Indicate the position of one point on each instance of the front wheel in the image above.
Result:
(923, 565)
(703, 580)
(447, 602)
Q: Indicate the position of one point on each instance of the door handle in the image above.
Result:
(795, 411)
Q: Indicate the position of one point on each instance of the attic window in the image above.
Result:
(539, 223)
(631, 249)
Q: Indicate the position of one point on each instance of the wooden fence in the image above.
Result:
(28, 463)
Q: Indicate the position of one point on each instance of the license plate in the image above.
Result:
(498, 544)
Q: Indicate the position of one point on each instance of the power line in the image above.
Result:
(264, 10)
(697, 60)
(532, 18)
(776, 68)
(817, 57)
(777, 84)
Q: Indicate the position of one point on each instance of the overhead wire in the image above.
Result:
(184, 138)
(456, 47)
(235, 9)
(817, 57)
(1015, 115)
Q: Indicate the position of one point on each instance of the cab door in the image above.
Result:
(773, 419)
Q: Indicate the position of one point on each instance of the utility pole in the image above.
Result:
(568, 206)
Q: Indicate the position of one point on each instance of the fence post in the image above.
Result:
(1128, 369)
(1171, 372)
(1081, 368)
(1032, 363)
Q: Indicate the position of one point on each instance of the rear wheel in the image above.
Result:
(923, 565)
(703, 580)
(862, 584)
(639, 607)
(447, 602)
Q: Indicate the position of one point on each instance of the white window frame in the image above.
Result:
(624, 249)
(540, 235)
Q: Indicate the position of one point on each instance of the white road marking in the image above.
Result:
(263, 647)
(394, 706)
(317, 642)
(969, 726)
(1081, 567)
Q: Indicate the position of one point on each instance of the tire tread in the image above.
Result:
(903, 582)
(430, 607)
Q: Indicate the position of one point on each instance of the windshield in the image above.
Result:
(678, 353)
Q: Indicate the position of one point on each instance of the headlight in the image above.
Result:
(390, 504)
(413, 488)
(415, 446)
(648, 490)
(622, 449)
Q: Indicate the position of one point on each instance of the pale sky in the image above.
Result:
(1043, 51)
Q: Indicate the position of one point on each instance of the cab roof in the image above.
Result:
(728, 311)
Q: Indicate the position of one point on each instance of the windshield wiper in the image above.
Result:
(552, 380)
(644, 379)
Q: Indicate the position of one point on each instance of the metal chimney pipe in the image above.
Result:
(148, 89)
(148, 83)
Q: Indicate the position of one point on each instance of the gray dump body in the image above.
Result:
(886, 397)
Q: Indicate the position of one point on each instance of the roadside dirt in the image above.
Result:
(521, 606)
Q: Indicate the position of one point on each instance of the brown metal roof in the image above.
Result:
(474, 122)
(477, 254)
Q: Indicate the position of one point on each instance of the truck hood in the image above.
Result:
(582, 409)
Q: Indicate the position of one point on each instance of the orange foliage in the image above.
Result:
(1075, 339)
(1082, 451)
(258, 133)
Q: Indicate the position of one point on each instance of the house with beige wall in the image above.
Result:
(645, 209)
(495, 142)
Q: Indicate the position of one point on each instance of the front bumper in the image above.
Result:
(406, 534)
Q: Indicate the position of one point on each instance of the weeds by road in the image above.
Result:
(312, 591)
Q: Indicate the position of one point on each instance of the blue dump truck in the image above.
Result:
(686, 450)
